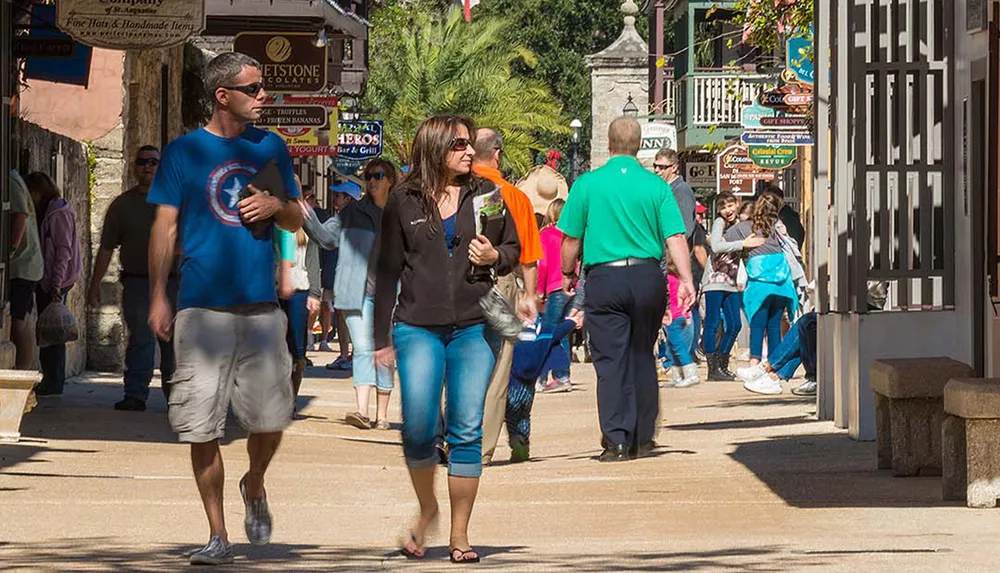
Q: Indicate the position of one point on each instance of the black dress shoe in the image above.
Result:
(614, 453)
(130, 404)
(644, 449)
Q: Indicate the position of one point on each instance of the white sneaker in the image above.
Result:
(750, 373)
(690, 377)
(764, 385)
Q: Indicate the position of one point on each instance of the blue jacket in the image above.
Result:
(353, 231)
(530, 357)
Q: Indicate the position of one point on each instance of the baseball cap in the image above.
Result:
(699, 208)
(347, 187)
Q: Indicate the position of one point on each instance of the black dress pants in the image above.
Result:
(624, 309)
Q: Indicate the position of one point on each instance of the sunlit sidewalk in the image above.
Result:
(741, 482)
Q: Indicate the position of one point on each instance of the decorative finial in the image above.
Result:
(630, 9)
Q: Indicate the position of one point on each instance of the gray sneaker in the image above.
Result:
(217, 552)
(258, 519)
(807, 388)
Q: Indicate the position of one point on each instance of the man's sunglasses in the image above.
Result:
(662, 167)
(250, 89)
(378, 176)
(144, 161)
(460, 144)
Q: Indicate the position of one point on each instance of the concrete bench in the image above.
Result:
(909, 410)
(971, 442)
(15, 387)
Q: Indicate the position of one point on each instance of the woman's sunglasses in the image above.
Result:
(378, 176)
(250, 89)
(143, 161)
(460, 144)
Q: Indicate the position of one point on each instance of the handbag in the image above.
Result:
(499, 313)
(56, 325)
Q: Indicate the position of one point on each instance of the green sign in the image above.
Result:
(772, 156)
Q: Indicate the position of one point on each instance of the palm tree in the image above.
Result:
(452, 66)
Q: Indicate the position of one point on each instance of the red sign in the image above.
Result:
(737, 173)
(312, 150)
(289, 99)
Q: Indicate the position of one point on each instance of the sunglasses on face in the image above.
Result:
(662, 167)
(378, 176)
(144, 161)
(460, 144)
(250, 89)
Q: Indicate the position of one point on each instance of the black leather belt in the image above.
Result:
(629, 262)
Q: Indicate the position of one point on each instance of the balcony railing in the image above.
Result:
(715, 98)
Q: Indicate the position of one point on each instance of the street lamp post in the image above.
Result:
(576, 124)
(630, 108)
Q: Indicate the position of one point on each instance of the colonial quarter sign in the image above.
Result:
(290, 62)
(131, 24)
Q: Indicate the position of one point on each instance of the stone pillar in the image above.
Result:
(619, 71)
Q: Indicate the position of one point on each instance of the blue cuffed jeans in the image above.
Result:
(140, 354)
(361, 325)
(555, 311)
(430, 360)
(680, 333)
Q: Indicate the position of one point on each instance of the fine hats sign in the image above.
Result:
(290, 63)
(124, 25)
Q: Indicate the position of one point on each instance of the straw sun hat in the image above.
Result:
(543, 185)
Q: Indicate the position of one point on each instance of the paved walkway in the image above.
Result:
(744, 482)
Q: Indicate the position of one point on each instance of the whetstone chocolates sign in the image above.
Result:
(290, 62)
(131, 24)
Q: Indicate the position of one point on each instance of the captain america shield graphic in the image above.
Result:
(223, 190)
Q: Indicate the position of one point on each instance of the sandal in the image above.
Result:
(358, 420)
(461, 556)
(421, 550)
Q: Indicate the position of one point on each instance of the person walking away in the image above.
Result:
(680, 331)
(301, 299)
(723, 299)
(798, 347)
(531, 360)
(443, 263)
(486, 164)
(127, 224)
(328, 267)
(230, 334)
(556, 301)
(624, 216)
(62, 268)
(345, 192)
(26, 270)
(355, 231)
(769, 292)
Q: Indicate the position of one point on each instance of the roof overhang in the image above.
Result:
(229, 17)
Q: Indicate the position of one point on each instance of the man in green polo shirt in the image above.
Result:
(625, 215)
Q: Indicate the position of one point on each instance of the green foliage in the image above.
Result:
(767, 23)
(424, 64)
(91, 169)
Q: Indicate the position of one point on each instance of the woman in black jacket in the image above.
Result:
(445, 233)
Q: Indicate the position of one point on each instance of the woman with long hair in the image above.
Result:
(62, 262)
(770, 290)
(550, 285)
(723, 300)
(445, 234)
(356, 231)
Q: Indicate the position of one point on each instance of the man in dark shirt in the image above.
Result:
(127, 225)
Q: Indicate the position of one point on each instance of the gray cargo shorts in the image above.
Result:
(234, 355)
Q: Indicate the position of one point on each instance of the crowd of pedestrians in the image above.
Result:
(224, 281)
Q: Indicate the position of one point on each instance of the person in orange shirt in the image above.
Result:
(486, 164)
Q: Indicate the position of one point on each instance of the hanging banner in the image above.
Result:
(772, 156)
(737, 173)
(289, 61)
(131, 24)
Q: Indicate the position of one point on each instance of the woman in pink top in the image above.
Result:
(550, 285)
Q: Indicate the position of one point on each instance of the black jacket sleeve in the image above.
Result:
(388, 270)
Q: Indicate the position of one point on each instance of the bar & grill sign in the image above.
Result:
(359, 140)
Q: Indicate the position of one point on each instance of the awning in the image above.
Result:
(229, 17)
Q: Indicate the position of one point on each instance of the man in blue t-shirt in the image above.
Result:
(229, 332)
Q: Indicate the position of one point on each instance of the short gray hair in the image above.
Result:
(487, 141)
(224, 68)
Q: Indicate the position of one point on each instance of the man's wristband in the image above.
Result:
(570, 274)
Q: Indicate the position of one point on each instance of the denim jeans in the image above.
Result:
(767, 320)
(722, 306)
(52, 358)
(805, 328)
(680, 333)
(696, 329)
(786, 357)
(140, 354)
(430, 360)
(296, 309)
(361, 325)
(555, 312)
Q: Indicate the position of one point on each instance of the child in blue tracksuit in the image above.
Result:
(530, 360)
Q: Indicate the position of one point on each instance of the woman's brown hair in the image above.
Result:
(553, 213)
(42, 189)
(765, 213)
(429, 157)
(388, 167)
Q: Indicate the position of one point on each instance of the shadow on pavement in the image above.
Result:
(104, 554)
(742, 424)
(757, 400)
(832, 470)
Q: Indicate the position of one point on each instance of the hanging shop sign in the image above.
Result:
(44, 50)
(29, 47)
(737, 173)
(306, 141)
(131, 24)
(294, 116)
(700, 174)
(359, 140)
(798, 57)
(330, 101)
(758, 117)
(772, 156)
(656, 135)
(798, 139)
(789, 98)
(290, 63)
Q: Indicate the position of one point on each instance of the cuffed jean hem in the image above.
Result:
(465, 470)
(423, 463)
